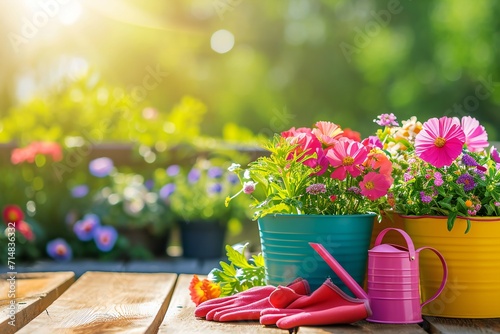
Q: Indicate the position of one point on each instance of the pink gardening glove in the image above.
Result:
(327, 305)
(246, 305)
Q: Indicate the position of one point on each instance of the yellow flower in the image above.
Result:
(203, 290)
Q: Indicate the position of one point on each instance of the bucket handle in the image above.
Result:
(445, 274)
(409, 242)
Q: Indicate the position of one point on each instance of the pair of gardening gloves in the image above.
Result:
(287, 307)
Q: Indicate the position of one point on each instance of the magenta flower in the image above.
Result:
(440, 141)
(346, 156)
(105, 238)
(375, 185)
(59, 250)
(476, 137)
(494, 154)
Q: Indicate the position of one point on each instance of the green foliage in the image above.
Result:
(239, 274)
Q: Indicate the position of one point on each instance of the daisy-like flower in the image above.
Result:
(375, 185)
(440, 141)
(386, 120)
(476, 137)
(105, 238)
(327, 132)
(467, 180)
(202, 290)
(59, 250)
(346, 156)
(378, 160)
(315, 189)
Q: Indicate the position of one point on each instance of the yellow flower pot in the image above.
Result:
(473, 259)
(389, 219)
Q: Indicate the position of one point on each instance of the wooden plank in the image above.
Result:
(438, 325)
(34, 292)
(180, 319)
(108, 302)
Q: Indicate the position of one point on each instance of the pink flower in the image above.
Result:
(249, 187)
(327, 132)
(307, 143)
(386, 120)
(440, 141)
(476, 137)
(375, 185)
(346, 156)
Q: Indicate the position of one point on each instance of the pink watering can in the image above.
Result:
(393, 280)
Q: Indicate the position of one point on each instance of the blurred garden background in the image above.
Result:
(122, 115)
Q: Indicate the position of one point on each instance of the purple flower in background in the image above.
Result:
(167, 190)
(59, 250)
(149, 184)
(386, 120)
(101, 167)
(84, 228)
(194, 175)
(215, 188)
(105, 238)
(173, 170)
(215, 172)
(233, 178)
(80, 191)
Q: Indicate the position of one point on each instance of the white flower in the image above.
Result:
(233, 167)
(246, 174)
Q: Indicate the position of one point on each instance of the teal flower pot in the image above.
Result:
(287, 254)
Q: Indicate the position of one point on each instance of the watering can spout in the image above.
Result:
(355, 288)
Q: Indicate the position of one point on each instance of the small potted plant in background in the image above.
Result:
(128, 203)
(196, 196)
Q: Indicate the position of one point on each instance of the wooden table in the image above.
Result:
(110, 302)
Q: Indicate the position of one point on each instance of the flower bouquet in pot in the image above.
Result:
(320, 184)
(446, 187)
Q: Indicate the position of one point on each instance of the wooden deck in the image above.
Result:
(125, 302)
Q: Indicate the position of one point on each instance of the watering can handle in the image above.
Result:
(445, 274)
(409, 242)
(340, 271)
